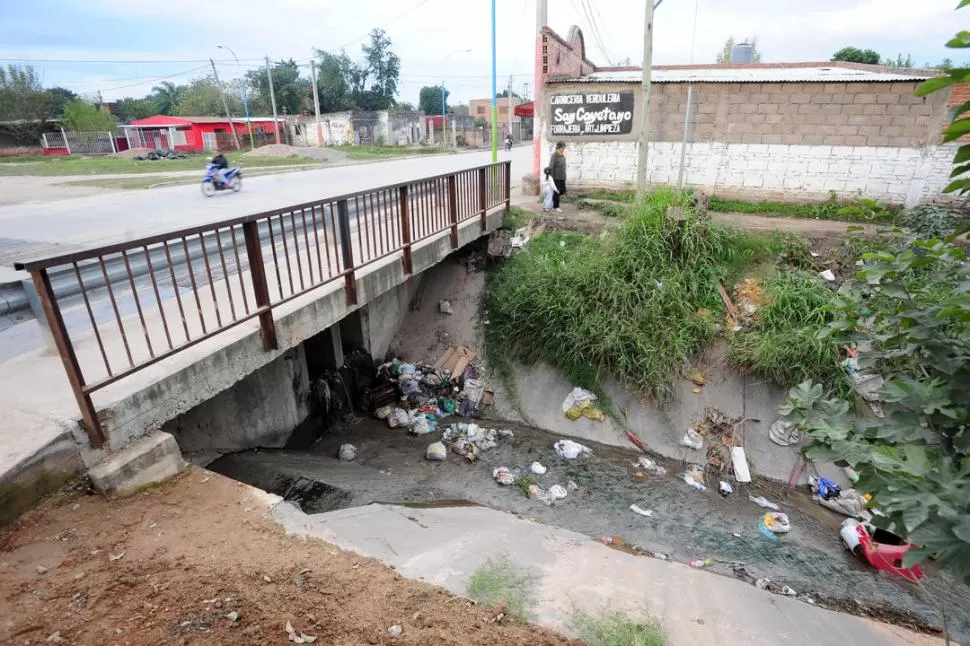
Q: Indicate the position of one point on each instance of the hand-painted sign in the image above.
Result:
(592, 114)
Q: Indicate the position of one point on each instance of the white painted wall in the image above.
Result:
(897, 175)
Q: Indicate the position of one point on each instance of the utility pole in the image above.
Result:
(224, 104)
(316, 100)
(645, 100)
(272, 99)
(494, 91)
(538, 129)
(510, 105)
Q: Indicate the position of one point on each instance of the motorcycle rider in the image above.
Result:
(221, 164)
(508, 141)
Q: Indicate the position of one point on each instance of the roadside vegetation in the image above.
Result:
(635, 304)
(616, 629)
(500, 583)
(362, 153)
(77, 165)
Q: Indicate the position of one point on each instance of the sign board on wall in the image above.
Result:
(591, 114)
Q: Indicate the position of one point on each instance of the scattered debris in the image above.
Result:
(537, 469)
(437, 452)
(267, 578)
(395, 630)
(827, 275)
(570, 450)
(579, 403)
(724, 488)
(115, 557)
(500, 243)
(347, 453)
(554, 493)
(233, 616)
(503, 476)
(693, 440)
(739, 462)
(572, 486)
(775, 523)
(761, 501)
(41, 569)
(731, 309)
(54, 638)
(650, 466)
(694, 477)
(697, 377)
(445, 307)
(699, 563)
(301, 638)
(636, 509)
(783, 433)
(882, 549)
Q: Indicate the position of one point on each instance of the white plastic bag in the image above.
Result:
(692, 439)
(537, 469)
(761, 501)
(436, 452)
(569, 449)
(577, 397)
(689, 479)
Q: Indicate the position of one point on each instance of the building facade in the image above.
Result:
(758, 131)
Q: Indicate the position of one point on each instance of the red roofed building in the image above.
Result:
(197, 134)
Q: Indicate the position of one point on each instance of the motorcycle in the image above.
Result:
(211, 182)
(508, 143)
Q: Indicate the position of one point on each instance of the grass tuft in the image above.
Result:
(861, 210)
(784, 343)
(616, 629)
(623, 304)
(499, 582)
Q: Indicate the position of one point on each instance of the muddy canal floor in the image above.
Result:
(686, 524)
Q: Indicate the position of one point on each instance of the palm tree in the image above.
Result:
(166, 96)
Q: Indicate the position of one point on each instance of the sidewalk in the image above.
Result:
(445, 546)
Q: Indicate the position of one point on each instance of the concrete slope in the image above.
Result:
(445, 546)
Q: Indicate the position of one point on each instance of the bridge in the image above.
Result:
(153, 327)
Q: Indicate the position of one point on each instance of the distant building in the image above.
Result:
(198, 134)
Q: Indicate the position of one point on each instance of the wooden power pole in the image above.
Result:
(272, 99)
(645, 99)
(224, 105)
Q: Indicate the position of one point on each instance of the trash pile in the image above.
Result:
(155, 155)
(719, 433)
(469, 440)
(579, 403)
(417, 396)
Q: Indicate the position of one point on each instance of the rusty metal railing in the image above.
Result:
(164, 293)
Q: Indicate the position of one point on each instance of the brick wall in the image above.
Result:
(564, 57)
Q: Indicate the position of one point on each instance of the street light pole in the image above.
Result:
(222, 95)
(272, 99)
(242, 87)
(444, 115)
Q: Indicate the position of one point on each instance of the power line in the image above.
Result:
(421, 3)
(155, 79)
(119, 62)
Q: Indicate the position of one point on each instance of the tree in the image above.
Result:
(384, 67)
(332, 83)
(899, 61)
(404, 106)
(130, 109)
(166, 96)
(429, 99)
(856, 55)
(81, 116)
(908, 314)
(461, 110)
(291, 91)
(724, 56)
(59, 97)
(202, 97)
(22, 98)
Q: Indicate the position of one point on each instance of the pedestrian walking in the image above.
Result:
(557, 167)
(549, 191)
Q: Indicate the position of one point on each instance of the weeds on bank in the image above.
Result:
(616, 629)
(783, 343)
(499, 582)
(516, 218)
(625, 304)
(859, 210)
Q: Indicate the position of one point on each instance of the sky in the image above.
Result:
(123, 48)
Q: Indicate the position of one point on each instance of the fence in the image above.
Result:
(192, 284)
(80, 143)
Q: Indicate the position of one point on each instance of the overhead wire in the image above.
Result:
(595, 19)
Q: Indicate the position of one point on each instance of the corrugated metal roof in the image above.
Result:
(755, 75)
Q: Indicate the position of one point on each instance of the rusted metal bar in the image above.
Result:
(158, 298)
(94, 323)
(309, 253)
(89, 416)
(507, 169)
(257, 272)
(212, 284)
(134, 294)
(195, 287)
(316, 241)
(286, 254)
(276, 260)
(225, 273)
(482, 198)
(346, 246)
(114, 306)
(336, 240)
(178, 296)
(296, 250)
(402, 198)
(242, 285)
(453, 208)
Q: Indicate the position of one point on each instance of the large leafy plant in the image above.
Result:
(908, 314)
(960, 124)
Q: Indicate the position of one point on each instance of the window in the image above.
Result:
(480, 109)
(178, 138)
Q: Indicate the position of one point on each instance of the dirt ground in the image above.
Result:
(158, 568)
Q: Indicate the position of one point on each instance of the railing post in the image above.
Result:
(402, 197)
(453, 208)
(257, 270)
(482, 197)
(66, 350)
(507, 166)
(346, 247)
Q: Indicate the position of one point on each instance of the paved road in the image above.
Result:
(127, 215)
